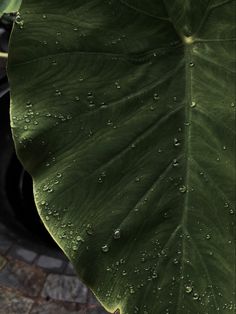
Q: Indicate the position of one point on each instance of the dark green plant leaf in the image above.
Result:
(9, 6)
(123, 113)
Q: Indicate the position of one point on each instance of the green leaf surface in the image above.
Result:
(123, 112)
(9, 6)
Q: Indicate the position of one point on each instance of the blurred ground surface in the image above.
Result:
(34, 281)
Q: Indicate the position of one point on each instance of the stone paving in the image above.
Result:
(32, 282)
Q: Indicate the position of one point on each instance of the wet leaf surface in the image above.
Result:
(124, 114)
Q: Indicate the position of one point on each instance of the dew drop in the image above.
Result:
(79, 239)
(109, 123)
(58, 92)
(19, 21)
(100, 180)
(117, 234)
(195, 296)
(156, 97)
(105, 248)
(175, 163)
(183, 189)
(176, 142)
(18, 18)
(193, 104)
(124, 272)
(117, 85)
(103, 106)
(137, 179)
(188, 289)
(165, 215)
(89, 230)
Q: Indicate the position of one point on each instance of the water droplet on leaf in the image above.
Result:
(105, 248)
(175, 163)
(156, 97)
(195, 296)
(188, 289)
(176, 142)
(183, 189)
(117, 234)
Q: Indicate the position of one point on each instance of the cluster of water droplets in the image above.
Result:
(50, 186)
(29, 118)
(19, 20)
(115, 40)
(49, 211)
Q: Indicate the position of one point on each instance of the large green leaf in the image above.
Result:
(8, 6)
(123, 113)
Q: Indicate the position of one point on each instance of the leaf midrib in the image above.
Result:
(183, 223)
(187, 150)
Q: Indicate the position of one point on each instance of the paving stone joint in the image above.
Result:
(36, 283)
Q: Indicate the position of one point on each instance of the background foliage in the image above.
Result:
(9, 6)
